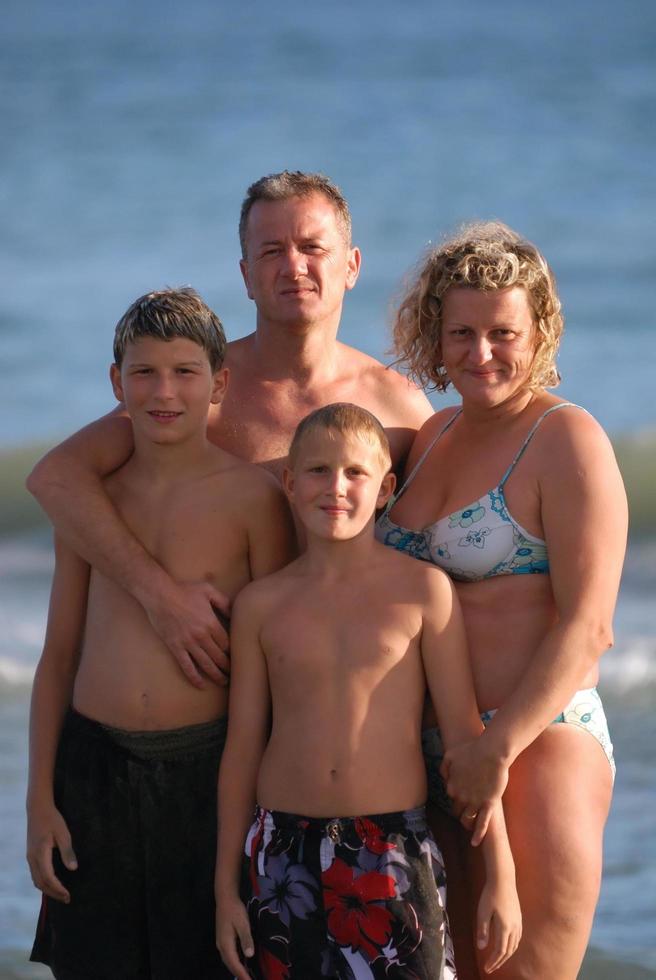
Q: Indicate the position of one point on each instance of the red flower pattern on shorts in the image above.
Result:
(372, 836)
(357, 915)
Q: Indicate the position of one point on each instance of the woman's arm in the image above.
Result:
(68, 483)
(51, 696)
(248, 729)
(584, 515)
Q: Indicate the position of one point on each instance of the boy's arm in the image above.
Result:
(51, 695)
(448, 674)
(68, 484)
(248, 729)
(272, 541)
(498, 917)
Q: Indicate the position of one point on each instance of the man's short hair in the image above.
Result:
(347, 420)
(294, 183)
(168, 314)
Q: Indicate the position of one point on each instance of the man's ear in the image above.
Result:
(386, 489)
(243, 265)
(353, 267)
(117, 385)
(219, 385)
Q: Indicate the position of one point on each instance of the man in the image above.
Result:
(297, 263)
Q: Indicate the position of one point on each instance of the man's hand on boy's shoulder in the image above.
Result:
(186, 618)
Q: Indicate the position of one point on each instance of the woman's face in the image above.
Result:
(488, 342)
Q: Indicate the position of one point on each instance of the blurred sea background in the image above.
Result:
(130, 132)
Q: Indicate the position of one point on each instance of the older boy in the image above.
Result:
(331, 658)
(122, 788)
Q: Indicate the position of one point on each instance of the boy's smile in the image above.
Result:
(337, 483)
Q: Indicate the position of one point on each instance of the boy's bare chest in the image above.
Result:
(194, 537)
(315, 637)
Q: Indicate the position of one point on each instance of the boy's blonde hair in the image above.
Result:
(168, 314)
(347, 420)
(486, 256)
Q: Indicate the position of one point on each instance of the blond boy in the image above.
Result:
(123, 750)
(331, 657)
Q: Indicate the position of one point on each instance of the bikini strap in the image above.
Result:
(535, 427)
(393, 499)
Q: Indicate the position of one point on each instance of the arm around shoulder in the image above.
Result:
(92, 453)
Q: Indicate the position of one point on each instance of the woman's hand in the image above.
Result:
(46, 830)
(475, 779)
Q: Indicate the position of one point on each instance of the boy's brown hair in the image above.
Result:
(167, 314)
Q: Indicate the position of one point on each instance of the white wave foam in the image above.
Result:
(15, 673)
(632, 667)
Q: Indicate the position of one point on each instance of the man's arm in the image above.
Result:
(51, 695)
(249, 713)
(406, 409)
(68, 483)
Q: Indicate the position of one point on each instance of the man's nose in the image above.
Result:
(295, 263)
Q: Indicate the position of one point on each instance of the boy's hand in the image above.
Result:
(498, 923)
(233, 932)
(46, 829)
(475, 782)
(185, 618)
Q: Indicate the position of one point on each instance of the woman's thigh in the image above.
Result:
(556, 806)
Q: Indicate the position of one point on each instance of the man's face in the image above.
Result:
(298, 264)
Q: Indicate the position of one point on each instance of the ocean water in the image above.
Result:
(130, 133)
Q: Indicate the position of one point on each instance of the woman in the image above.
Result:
(517, 495)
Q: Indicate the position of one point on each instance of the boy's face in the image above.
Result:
(167, 387)
(337, 483)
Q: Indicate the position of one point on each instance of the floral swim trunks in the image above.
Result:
(584, 711)
(349, 898)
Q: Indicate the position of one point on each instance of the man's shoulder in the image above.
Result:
(384, 384)
(239, 351)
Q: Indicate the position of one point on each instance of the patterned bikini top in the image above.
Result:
(480, 541)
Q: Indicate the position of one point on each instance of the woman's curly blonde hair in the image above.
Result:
(482, 255)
